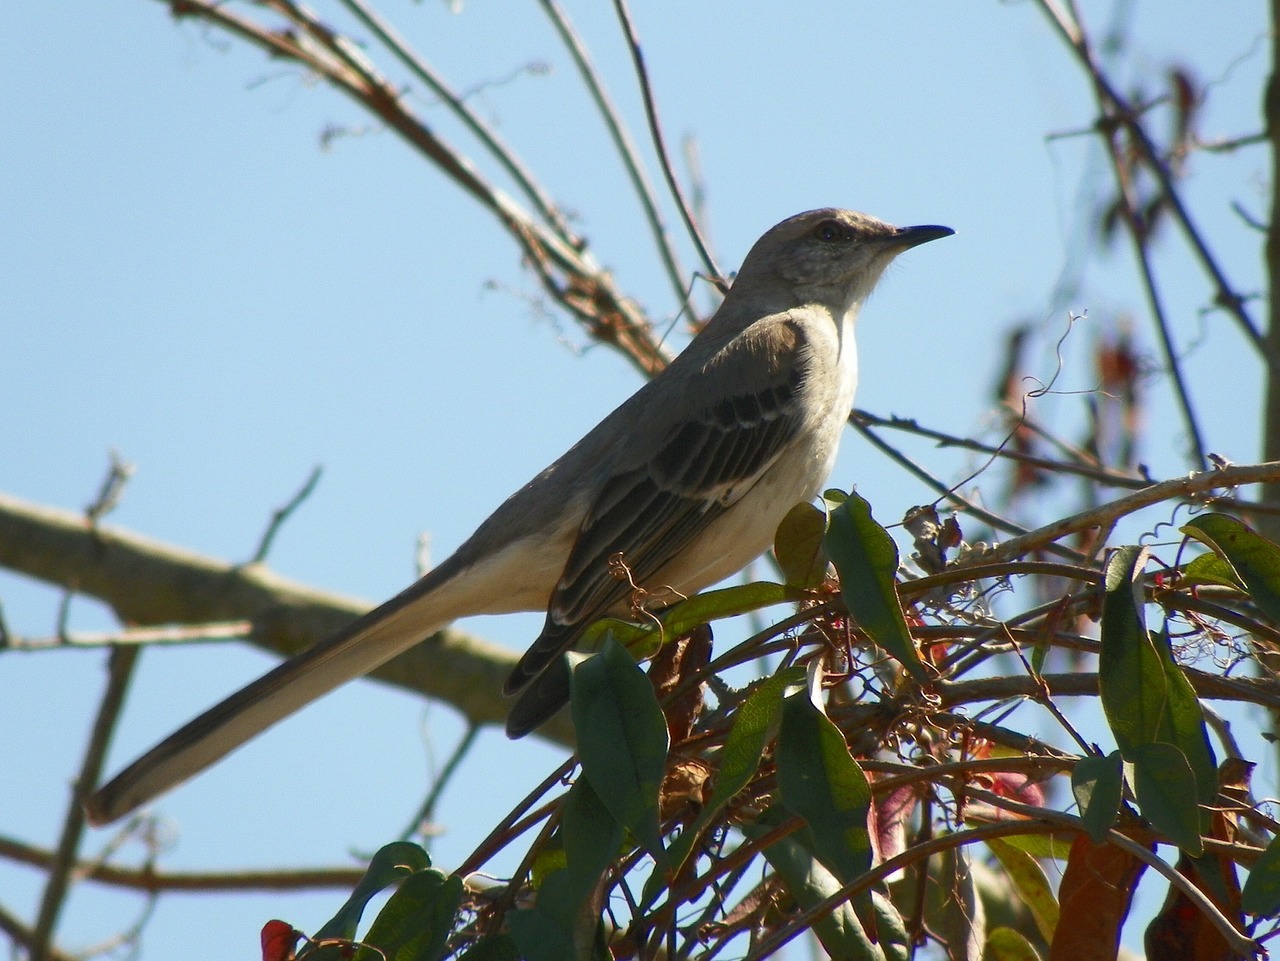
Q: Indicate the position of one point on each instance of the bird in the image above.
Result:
(681, 486)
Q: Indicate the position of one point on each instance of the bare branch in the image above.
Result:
(492, 142)
(626, 150)
(138, 636)
(1140, 236)
(1191, 487)
(148, 583)
(567, 271)
(281, 514)
(1117, 109)
(659, 144)
(119, 672)
(112, 489)
(1102, 475)
(150, 880)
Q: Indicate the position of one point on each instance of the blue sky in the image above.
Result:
(186, 276)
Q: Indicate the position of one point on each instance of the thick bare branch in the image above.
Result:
(148, 582)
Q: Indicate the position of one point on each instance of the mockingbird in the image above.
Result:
(683, 485)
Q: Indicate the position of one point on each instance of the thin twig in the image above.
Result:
(148, 879)
(111, 490)
(626, 150)
(511, 825)
(1118, 108)
(119, 672)
(1189, 487)
(1249, 690)
(1230, 144)
(148, 636)
(897, 775)
(23, 936)
(802, 922)
(492, 142)
(1196, 603)
(1240, 944)
(568, 273)
(972, 572)
(1140, 236)
(659, 144)
(910, 425)
(1070, 450)
(282, 514)
(427, 810)
(949, 494)
(127, 940)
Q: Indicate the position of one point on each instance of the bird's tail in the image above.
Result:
(370, 641)
(540, 698)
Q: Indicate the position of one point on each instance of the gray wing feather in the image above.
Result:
(651, 512)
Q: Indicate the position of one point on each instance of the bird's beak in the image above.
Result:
(908, 237)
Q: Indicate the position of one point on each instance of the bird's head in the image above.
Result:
(829, 256)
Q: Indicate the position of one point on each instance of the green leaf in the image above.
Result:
(891, 931)
(1006, 944)
(1056, 846)
(1183, 723)
(1040, 654)
(819, 780)
(591, 837)
(540, 937)
(798, 546)
(1030, 882)
(1098, 786)
(644, 641)
(1152, 709)
(753, 727)
(1261, 894)
(567, 913)
(494, 947)
(537, 937)
(1165, 787)
(416, 922)
(1255, 559)
(1212, 570)
(393, 862)
(867, 559)
(622, 741)
(1131, 679)
(727, 602)
(754, 724)
(809, 883)
(960, 920)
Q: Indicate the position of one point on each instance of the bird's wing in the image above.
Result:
(664, 493)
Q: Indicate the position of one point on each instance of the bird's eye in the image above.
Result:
(830, 232)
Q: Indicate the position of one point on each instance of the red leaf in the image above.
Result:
(1095, 894)
(1018, 787)
(278, 940)
(888, 822)
(1181, 932)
